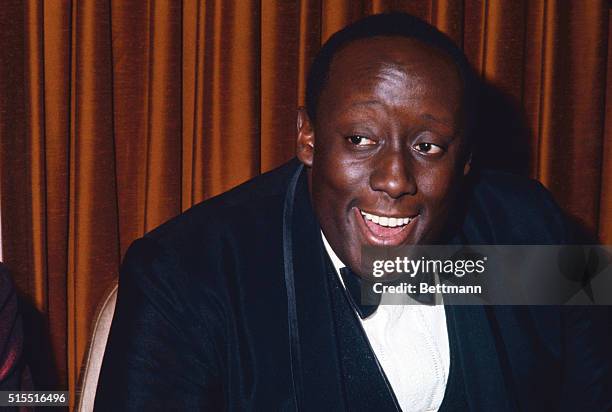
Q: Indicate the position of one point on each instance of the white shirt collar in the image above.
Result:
(332, 255)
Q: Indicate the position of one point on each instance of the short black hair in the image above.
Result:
(389, 24)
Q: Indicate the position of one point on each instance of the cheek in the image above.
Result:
(438, 186)
(335, 172)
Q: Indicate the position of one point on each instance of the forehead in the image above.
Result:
(397, 64)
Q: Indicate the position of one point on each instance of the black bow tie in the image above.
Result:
(366, 301)
(365, 304)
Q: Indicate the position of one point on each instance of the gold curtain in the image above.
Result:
(117, 115)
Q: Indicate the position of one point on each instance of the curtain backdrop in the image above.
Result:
(117, 115)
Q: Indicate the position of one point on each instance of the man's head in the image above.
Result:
(384, 134)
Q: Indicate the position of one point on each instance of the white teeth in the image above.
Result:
(387, 221)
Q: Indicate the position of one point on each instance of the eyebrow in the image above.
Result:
(427, 116)
(366, 103)
(424, 116)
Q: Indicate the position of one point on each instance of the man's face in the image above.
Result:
(385, 155)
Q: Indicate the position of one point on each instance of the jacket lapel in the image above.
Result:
(320, 372)
(472, 331)
(484, 379)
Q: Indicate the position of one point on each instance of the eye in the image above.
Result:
(428, 148)
(359, 140)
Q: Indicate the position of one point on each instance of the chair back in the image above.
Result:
(95, 352)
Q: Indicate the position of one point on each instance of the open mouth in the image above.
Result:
(385, 230)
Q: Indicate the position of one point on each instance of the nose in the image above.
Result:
(391, 174)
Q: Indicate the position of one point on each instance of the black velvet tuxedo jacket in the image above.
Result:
(233, 306)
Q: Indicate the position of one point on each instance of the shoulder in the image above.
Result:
(194, 249)
(207, 220)
(514, 210)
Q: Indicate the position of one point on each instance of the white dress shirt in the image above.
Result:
(411, 345)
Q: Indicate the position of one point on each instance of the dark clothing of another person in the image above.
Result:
(234, 305)
(11, 335)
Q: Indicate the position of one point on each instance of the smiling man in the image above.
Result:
(247, 301)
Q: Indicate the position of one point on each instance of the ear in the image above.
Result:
(468, 165)
(305, 138)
